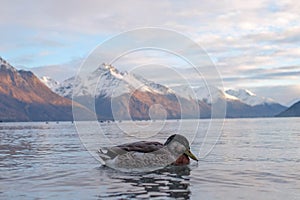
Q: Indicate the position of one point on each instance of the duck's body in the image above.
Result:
(145, 154)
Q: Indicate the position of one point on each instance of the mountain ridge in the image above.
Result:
(117, 95)
(249, 97)
(23, 97)
(122, 95)
(114, 83)
(292, 111)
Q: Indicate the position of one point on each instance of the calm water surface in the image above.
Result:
(254, 159)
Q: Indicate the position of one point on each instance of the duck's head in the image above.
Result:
(178, 144)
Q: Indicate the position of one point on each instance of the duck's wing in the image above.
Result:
(141, 146)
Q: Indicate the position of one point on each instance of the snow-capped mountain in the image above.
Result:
(107, 81)
(241, 103)
(65, 88)
(211, 94)
(249, 97)
(118, 95)
(50, 83)
(133, 96)
(208, 94)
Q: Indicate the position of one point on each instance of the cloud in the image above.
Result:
(289, 35)
(249, 41)
(260, 76)
(94, 17)
(59, 72)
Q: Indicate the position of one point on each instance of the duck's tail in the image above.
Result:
(103, 154)
(108, 153)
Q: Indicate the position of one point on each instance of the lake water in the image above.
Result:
(253, 159)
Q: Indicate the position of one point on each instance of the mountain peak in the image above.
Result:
(246, 92)
(209, 94)
(108, 66)
(112, 70)
(49, 82)
(248, 97)
(110, 82)
(4, 64)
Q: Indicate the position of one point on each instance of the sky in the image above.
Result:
(254, 44)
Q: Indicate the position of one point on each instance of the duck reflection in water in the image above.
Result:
(169, 182)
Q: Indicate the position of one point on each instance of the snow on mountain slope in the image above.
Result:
(50, 83)
(249, 97)
(108, 81)
(208, 94)
(65, 88)
(212, 94)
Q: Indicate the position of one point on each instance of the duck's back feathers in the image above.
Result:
(141, 146)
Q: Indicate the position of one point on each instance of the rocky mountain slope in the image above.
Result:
(23, 97)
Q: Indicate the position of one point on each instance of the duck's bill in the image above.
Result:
(191, 155)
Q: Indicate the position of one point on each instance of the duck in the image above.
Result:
(148, 154)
